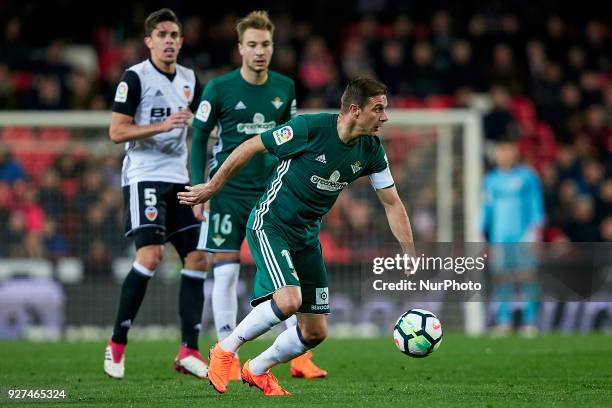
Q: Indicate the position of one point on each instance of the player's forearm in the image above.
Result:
(127, 132)
(236, 161)
(400, 225)
(197, 159)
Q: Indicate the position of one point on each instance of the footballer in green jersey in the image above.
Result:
(241, 104)
(318, 156)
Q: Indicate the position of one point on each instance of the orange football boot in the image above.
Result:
(302, 366)
(266, 382)
(234, 374)
(219, 368)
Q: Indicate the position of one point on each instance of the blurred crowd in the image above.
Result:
(548, 84)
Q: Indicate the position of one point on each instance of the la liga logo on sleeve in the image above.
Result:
(283, 135)
(122, 92)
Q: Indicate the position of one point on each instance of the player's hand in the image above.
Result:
(178, 119)
(200, 212)
(198, 194)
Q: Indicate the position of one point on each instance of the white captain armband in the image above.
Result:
(382, 179)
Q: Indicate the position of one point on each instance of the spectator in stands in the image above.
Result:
(15, 52)
(356, 61)
(503, 70)
(596, 129)
(48, 94)
(55, 246)
(582, 227)
(10, 169)
(393, 67)
(316, 66)
(50, 195)
(80, 91)
(463, 73)
(499, 122)
(423, 78)
(8, 99)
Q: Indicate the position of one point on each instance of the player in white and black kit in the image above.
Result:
(152, 107)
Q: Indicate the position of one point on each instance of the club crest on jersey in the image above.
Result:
(277, 102)
(187, 92)
(283, 135)
(122, 92)
(329, 185)
(356, 166)
(259, 125)
(203, 111)
(151, 213)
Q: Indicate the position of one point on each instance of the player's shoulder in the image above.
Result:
(279, 79)
(185, 71)
(229, 78)
(141, 68)
(526, 171)
(371, 143)
(319, 120)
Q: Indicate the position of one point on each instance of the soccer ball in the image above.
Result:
(417, 333)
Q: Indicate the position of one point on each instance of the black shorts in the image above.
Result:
(154, 216)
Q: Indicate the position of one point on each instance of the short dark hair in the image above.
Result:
(160, 16)
(359, 90)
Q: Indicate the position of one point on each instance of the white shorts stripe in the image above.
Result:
(202, 241)
(134, 206)
(267, 244)
(269, 265)
(272, 192)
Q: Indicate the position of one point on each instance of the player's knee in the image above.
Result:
(314, 335)
(150, 256)
(289, 305)
(197, 261)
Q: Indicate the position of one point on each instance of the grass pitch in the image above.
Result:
(552, 370)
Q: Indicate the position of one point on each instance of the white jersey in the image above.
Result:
(161, 157)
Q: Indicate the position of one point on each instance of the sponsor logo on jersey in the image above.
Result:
(151, 213)
(259, 125)
(203, 111)
(240, 106)
(187, 92)
(321, 296)
(283, 135)
(159, 93)
(277, 102)
(329, 185)
(122, 92)
(356, 166)
(321, 158)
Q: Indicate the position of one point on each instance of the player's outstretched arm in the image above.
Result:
(397, 217)
(123, 128)
(201, 193)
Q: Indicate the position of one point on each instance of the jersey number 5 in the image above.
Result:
(150, 197)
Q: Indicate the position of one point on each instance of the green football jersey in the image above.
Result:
(315, 165)
(241, 110)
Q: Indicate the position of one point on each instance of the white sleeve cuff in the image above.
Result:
(381, 179)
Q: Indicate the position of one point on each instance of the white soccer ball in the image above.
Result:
(417, 333)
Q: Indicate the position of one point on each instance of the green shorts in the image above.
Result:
(279, 266)
(225, 225)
